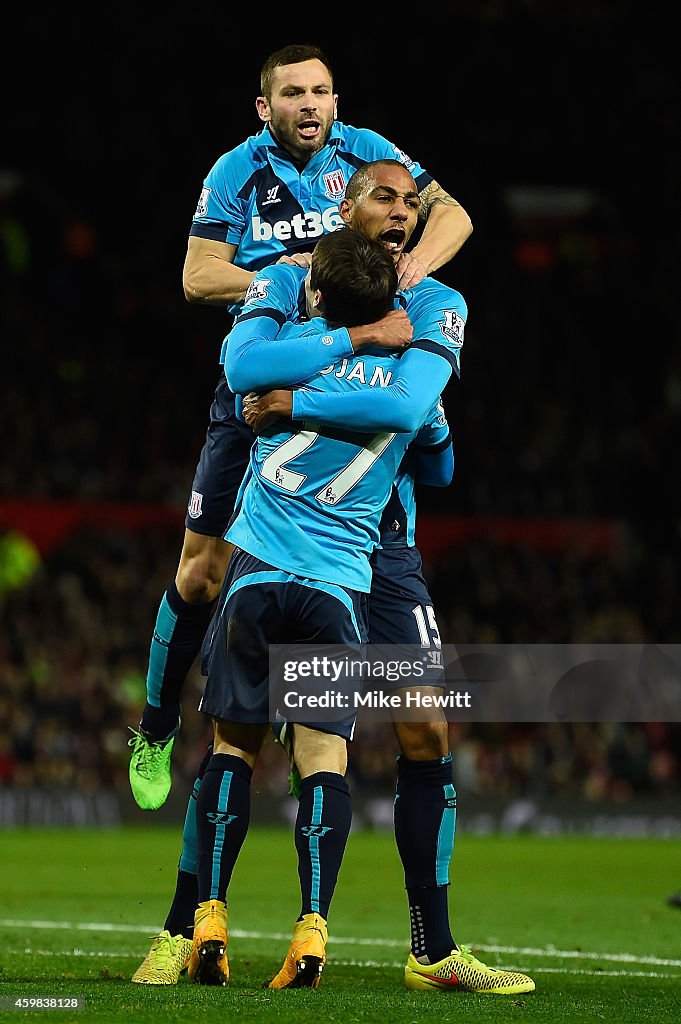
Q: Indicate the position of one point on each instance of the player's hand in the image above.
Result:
(262, 410)
(297, 259)
(410, 270)
(393, 332)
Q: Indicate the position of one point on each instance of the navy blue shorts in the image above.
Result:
(221, 467)
(261, 605)
(400, 608)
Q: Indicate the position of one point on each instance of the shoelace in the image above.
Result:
(466, 954)
(164, 948)
(471, 959)
(148, 755)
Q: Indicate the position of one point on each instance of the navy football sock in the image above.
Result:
(180, 919)
(176, 642)
(223, 810)
(431, 936)
(425, 822)
(321, 833)
(160, 723)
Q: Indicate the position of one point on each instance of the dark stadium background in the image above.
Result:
(555, 126)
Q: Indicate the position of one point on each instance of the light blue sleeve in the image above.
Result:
(260, 357)
(429, 459)
(403, 406)
(438, 315)
(265, 349)
(435, 429)
(219, 212)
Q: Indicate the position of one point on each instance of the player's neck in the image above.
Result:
(299, 162)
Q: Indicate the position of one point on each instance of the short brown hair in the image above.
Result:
(294, 54)
(356, 276)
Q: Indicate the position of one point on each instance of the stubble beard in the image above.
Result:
(290, 140)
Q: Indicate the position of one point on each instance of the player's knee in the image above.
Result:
(423, 741)
(239, 740)
(202, 570)
(317, 751)
(195, 585)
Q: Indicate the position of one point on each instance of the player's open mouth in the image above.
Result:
(393, 239)
(308, 129)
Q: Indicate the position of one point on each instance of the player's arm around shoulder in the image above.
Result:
(251, 362)
(447, 226)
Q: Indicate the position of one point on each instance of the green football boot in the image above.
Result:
(284, 736)
(149, 771)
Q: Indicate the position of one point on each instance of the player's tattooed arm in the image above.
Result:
(434, 193)
(446, 228)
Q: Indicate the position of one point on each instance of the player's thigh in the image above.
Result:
(400, 608)
(423, 740)
(402, 623)
(249, 617)
(317, 750)
(327, 628)
(221, 467)
(239, 739)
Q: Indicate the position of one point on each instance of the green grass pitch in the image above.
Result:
(585, 917)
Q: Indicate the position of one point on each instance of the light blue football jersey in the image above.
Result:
(438, 314)
(312, 500)
(398, 521)
(257, 198)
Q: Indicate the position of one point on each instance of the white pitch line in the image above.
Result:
(396, 964)
(548, 952)
(599, 974)
(576, 954)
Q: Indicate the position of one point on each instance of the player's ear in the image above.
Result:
(263, 108)
(335, 105)
(345, 209)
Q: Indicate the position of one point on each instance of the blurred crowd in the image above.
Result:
(569, 404)
(74, 647)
